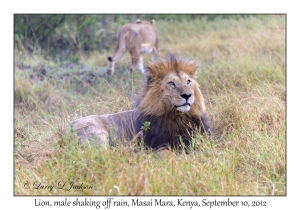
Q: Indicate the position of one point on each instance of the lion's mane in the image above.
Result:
(167, 126)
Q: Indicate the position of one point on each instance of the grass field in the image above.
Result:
(242, 75)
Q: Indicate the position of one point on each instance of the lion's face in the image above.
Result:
(178, 91)
(172, 102)
(170, 88)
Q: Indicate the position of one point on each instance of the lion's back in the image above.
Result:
(145, 32)
(105, 129)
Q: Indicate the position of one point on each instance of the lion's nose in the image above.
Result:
(186, 96)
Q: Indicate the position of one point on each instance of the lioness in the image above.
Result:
(139, 38)
(170, 100)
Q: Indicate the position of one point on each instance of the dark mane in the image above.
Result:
(167, 130)
(168, 127)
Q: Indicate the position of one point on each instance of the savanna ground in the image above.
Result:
(242, 75)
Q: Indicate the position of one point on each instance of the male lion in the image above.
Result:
(170, 100)
(139, 38)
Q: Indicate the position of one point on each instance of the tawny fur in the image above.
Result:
(162, 101)
(138, 38)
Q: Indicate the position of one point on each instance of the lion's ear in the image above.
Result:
(155, 70)
(188, 66)
(173, 62)
(149, 74)
(149, 80)
(192, 72)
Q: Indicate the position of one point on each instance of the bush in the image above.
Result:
(64, 36)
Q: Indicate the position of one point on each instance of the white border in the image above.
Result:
(154, 6)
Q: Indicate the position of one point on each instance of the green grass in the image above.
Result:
(242, 76)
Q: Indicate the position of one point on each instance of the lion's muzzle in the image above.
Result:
(186, 106)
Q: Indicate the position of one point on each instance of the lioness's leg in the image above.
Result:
(154, 54)
(140, 64)
(135, 56)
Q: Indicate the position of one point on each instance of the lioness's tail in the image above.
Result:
(121, 46)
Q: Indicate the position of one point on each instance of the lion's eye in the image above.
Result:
(189, 82)
(172, 84)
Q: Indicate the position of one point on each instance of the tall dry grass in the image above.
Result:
(242, 76)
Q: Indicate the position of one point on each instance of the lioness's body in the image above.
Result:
(138, 38)
(170, 100)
